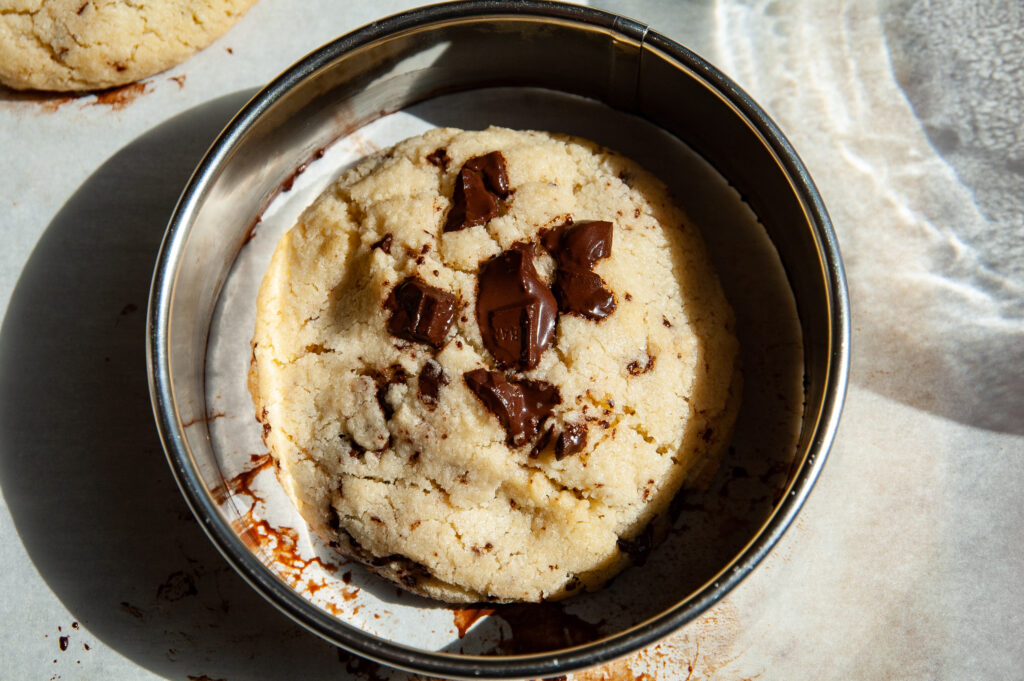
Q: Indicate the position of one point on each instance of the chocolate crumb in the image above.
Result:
(639, 547)
(439, 157)
(384, 243)
(635, 368)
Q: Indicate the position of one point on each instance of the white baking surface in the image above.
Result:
(905, 562)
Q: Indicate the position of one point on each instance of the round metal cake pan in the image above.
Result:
(399, 61)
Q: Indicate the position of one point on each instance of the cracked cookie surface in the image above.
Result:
(69, 45)
(386, 440)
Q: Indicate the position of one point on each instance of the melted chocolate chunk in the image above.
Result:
(431, 379)
(582, 292)
(576, 250)
(481, 182)
(584, 244)
(420, 312)
(384, 244)
(520, 406)
(551, 238)
(439, 157)
(573, 439)
(515, 309)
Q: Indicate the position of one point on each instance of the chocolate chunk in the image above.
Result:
(582, 292)
(584, 244)
(420, 312)
(384, 244)
(519, 405)
(576, 250)
(432, 377)
(515, 309)
(573, 439)
(439, 157)
(481, 182)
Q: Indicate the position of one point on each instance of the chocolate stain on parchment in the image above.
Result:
(280, 544)
(285, 186)
(465, 618)
(120, 97)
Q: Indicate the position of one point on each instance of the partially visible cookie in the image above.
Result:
(70, 45)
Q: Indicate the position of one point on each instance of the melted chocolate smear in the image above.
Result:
(439, 157)
(520, 406)
(515, 310)
(481, 182)
(572, 440)
(420, 312)
(576, 250)
(639, 547)
(539, 627)
(431, 379)
(384, 244)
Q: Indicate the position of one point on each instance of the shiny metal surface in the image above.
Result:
(411, 57)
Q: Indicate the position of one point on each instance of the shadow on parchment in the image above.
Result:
(81, 466)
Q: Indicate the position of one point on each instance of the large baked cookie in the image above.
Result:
(92, 44)
(485, 361)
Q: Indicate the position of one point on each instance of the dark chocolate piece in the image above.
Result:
(583, 292)
(481, 182)
(515, 309)
(573, 439)
(432, 377)
(420, 312)
(583, 244)
(577, 249)
(520, 406)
